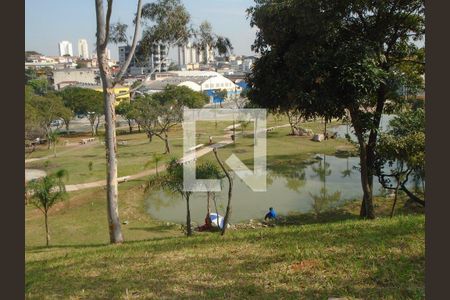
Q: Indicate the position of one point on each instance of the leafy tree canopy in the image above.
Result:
(333, 57)
(40, 85)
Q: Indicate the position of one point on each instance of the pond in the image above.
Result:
(324, 182)
(342, 130)
(315, 186)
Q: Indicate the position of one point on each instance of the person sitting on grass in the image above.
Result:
(271, 215)
(207, 225)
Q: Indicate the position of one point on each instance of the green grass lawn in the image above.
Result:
(282, 149)
(381, 259)
(136, 155)
(304, 257)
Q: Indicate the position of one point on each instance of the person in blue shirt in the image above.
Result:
(271, 215)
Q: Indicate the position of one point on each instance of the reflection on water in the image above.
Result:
(323, 200)
(346, 129)
(296, 188)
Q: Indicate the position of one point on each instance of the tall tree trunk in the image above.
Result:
(395, 199)
(188, 217)
(115, 232)
(98, 123)
(67, 128)
(130, 126)
(47, 232)
(230, 193)
(166, 142)
(48, 133)
(367, 210)
(208, 196)
(369, 149)
(92, 121)
(291, 123)
(102, 34)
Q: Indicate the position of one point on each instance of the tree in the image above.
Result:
(108, 84)
(53, 139)
(30, 74)
(169, 25)
(82, 101)
(400, 154)
(93, 109)
(67, 116)
(209, 170)
(46, 192)
(339, 56)
(146, 114)
(222, 94)
(295, 117)
(244, 126)
(45, 110)
(156, 158)
(126, 110)
(40, 85)
(230, 192)
(159, 112)
(224, 46)
(32, 126)
(173, 181)
(206, 40)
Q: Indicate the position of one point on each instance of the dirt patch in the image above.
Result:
(304, 265)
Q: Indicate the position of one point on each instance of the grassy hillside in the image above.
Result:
(381, 259)
(305, 257)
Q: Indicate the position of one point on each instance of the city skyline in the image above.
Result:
(228, 18)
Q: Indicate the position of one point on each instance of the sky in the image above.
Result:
(47, 22)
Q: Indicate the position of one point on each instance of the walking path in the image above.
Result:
(192, 156)
(61, 152)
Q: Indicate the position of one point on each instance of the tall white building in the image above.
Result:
(83, 51)
(65, 48)
(188, 54)
(156, 60)
(208, 55)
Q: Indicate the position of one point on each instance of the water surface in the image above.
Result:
(327, 182)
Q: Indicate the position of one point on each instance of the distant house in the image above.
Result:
(122, 92)
(83, 76)
(199, 81)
